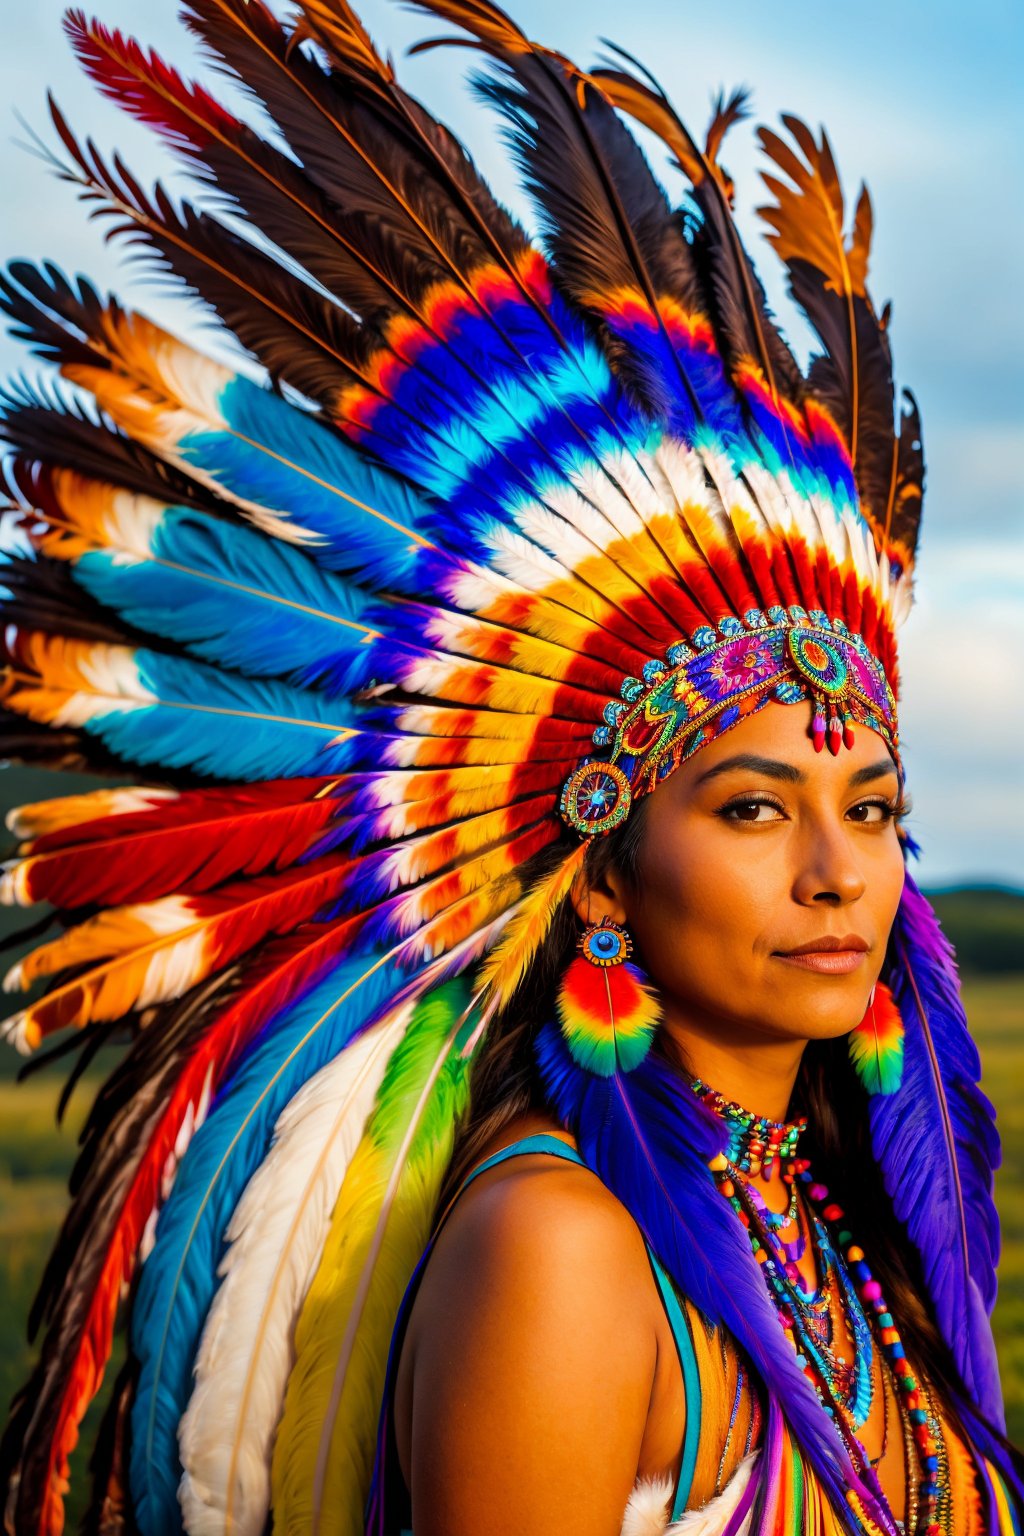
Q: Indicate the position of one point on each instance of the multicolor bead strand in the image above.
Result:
(923, 1425)
(756, 1144)
(865, 1307)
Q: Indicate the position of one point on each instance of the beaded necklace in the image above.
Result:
(844, 1389)
(754, 1142)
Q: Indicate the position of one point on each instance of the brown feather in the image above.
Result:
(110, 1506)
(113, 1141)
(45, 426)
(740, 314)
(605, 220)
(828, 271)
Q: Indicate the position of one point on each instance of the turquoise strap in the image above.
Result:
(543, 1141)
(691, 1383)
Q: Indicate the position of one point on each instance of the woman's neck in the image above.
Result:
(743, 1065)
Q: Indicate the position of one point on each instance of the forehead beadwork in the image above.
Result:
(712, 681)
(818, 658)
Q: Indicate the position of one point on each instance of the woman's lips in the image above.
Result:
(831, 962)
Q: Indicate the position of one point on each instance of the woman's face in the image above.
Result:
(755, 847)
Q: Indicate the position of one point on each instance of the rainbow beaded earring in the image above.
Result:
(606, 1007)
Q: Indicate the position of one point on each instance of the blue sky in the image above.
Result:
(921, 101)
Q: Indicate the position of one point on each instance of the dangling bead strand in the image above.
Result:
(928, 1448)
(845, 1393)
(806, 1314)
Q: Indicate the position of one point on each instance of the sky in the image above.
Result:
(921, 101)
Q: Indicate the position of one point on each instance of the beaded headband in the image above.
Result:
(705, 687)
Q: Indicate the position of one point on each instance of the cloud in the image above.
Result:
(961, 716)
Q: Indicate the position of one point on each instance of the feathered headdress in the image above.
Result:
(484, 535)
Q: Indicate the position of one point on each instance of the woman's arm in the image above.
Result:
(535, 1350)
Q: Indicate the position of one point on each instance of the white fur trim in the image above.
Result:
(647, 1511)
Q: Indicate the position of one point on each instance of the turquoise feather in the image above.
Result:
(216, 722)
(238, 599)
(179, 1279)
(284, 460)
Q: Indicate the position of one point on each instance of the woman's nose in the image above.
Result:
(830, 870)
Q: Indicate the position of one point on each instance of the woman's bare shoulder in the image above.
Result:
(536, 1199)
(533, 1352)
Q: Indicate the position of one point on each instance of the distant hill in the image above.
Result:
(985, 924)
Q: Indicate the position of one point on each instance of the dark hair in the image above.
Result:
(505, 1084)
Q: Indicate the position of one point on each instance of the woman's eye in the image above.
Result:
(747, 810)
(760, 812)
(876, 811)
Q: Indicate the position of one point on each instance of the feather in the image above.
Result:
(739, 312)
(117, 1180)
(109, 1511)
(507, 964)
(178, 1281)
(134, 1140)
(647, 1511)
(876, 1045)
(828, 278)
(134, 845)
(146, 706)
(123, 68)
(29, 413)
(175, 571)
(936, 1144)
(132, 957)
(324, 1450)
(275, 1239)
(234, 437)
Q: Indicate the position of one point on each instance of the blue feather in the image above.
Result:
(361, 518)
(179, 1279)
(237, 598)
(216, 722)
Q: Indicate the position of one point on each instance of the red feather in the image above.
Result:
(186, 844)
(238, 916)
(145, 86)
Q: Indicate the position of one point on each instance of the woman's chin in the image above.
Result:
(822, 1007)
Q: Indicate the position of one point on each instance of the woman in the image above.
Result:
(754, 849)
(480, 674)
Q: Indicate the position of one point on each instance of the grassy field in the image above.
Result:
(35, 1159)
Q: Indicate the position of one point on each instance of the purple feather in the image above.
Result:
(936, 1144)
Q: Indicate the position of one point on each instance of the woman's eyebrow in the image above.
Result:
(772, 768)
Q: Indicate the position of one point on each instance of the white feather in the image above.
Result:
(276, 1236)
(555, 531)
(647, 1510)
(112, 675)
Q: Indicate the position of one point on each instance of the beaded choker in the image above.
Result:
(755, 1143)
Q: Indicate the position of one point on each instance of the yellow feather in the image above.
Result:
(506, 965)
(41, 817)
